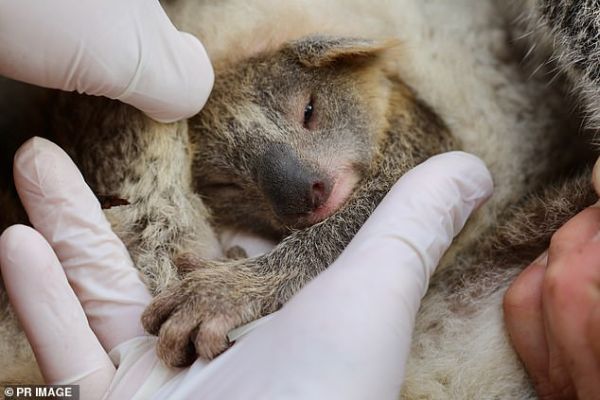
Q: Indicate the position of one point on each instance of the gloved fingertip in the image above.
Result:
(470, 170)
(195, 82)
(596, 177)
(461, 156)
(12, 239)
(23, 246)
(35, 149)
(202, 76)
(24, 154)
(34, 145)
(44, 172)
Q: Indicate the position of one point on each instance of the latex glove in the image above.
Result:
(345, 335)
(126, 50)
(552, 310)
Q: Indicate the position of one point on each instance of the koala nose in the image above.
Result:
(292, 187)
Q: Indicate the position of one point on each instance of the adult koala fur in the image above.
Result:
(565, 34)
(314, 114)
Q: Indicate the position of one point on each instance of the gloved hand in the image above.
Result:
(126, 50)
(345, 335)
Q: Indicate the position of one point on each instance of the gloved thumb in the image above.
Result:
(125, 50)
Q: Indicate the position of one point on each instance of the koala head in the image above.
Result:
(286, 136)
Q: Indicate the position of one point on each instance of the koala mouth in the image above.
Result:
(346, 181)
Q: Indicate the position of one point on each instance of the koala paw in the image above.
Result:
(193, 316)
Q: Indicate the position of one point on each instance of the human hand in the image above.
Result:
(552, 311)
(125, 50)
(70, 325)
(346, 335)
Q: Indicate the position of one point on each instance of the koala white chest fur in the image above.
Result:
(457, 57)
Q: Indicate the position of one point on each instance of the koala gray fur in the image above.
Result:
(379, 108)
(564, 34)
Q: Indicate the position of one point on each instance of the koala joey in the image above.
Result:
(300, 151)
(300, 140)
(291, 145)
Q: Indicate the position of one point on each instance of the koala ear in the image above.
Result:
(320, 51)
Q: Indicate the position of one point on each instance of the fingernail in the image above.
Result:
(596, 176)
(596, 237)
(542, 259)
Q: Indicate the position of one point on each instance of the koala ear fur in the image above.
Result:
(320, 51)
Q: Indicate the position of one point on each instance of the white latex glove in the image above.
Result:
(122, 49)
(346, 335)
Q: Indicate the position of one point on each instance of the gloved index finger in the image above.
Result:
(450, 186)
(65, 211)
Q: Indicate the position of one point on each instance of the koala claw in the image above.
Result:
(193, 316)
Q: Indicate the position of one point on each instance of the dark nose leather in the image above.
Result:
(292, 187)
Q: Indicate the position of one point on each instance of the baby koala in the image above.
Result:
(299, 144)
